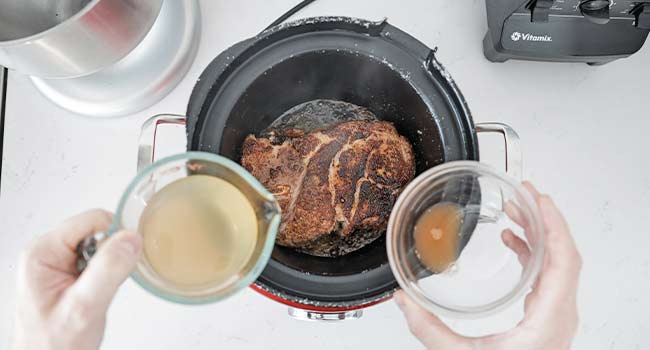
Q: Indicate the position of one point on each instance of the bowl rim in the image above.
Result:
(527, 280)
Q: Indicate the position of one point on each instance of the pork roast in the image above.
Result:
(336, 186)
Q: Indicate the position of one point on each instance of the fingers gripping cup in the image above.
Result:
(208, 227)
(465, 240)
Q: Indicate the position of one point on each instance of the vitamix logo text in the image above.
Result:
(516, 36)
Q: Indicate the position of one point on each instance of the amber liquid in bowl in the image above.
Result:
(437, 235)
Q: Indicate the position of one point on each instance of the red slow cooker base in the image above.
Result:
(312, 307)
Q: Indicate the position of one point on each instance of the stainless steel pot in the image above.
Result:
(71, 38)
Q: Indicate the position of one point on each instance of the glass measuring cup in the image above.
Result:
(156, 176)
(487, 276)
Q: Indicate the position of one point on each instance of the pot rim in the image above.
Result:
(27, 39)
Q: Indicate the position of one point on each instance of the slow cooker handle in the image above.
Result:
(147, 140)
(146, 150)
(308, 315)
(513, 147)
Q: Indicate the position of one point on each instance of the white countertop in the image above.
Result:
(584, 137)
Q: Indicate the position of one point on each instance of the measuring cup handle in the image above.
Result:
(513, 146)
(87, 248)
(147, 140)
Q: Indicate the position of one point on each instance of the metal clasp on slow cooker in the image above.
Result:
(147, 140)
(306, 315)
(513, 147)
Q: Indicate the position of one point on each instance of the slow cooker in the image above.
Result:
(370, 64)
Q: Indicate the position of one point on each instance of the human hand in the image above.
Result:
(57, 308)
(551, 316)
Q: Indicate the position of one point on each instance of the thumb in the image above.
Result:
(107, 270)
(429, 329)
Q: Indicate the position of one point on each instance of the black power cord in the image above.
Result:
(290, 13)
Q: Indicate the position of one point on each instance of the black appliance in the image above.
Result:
(591, 31)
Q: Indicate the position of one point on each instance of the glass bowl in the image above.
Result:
(486, 276)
